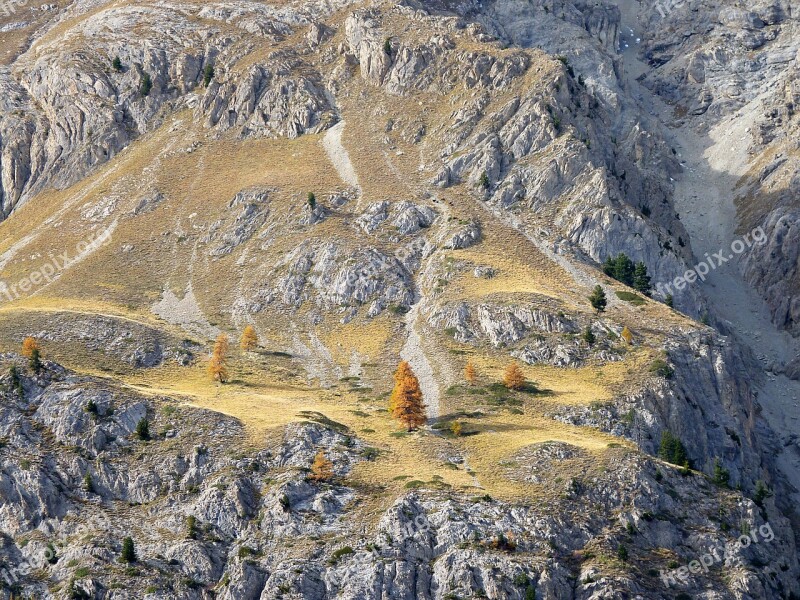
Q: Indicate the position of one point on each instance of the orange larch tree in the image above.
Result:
(469, 373)
(513, 378)
(222, 345)
(322, 469)
(217, 366)
(249, 339)
(30, 344)
(405, 402)
(400, 374)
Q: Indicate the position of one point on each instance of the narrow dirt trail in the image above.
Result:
(337, 154)
(415, 355)
(705, 199)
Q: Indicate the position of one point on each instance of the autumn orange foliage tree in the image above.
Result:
(217, 366)
(405, 402)
(30, 344)
(513, 378)
(627, 335)
(322, 469)
(249, 339)
(469, 373)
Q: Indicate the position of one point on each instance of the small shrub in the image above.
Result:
(634, 299)
(370, 453)
(208, 74)
(337, 554)
(762, 492)
(521, 579)
(143, 429)
(662, 369)
(91, 407)
(246, 551)
(672, 449)
(191, 527)
(35, 361)
(622, 552)
(116, 64)
(146, 84)
(721, 475)
(504, 543)
(16, 381)
(398, 309)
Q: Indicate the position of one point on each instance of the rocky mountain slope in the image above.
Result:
(364, 182)
(211, 516)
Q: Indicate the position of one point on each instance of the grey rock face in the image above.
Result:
(269, 101)
(252, 508)
(734, 66)
(464, 237)
(132, 343)
(325, 273)
(771, 267)
(499, 324)
(704, 399)
(404, 217)
(534, 335)
(252, 211)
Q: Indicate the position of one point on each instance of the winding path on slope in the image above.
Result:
(705, 199)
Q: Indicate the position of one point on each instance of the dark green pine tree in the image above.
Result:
(128, 551)
(598, 299)
(641, 280)
(620, 268)
(672, 449)
(35, 361)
